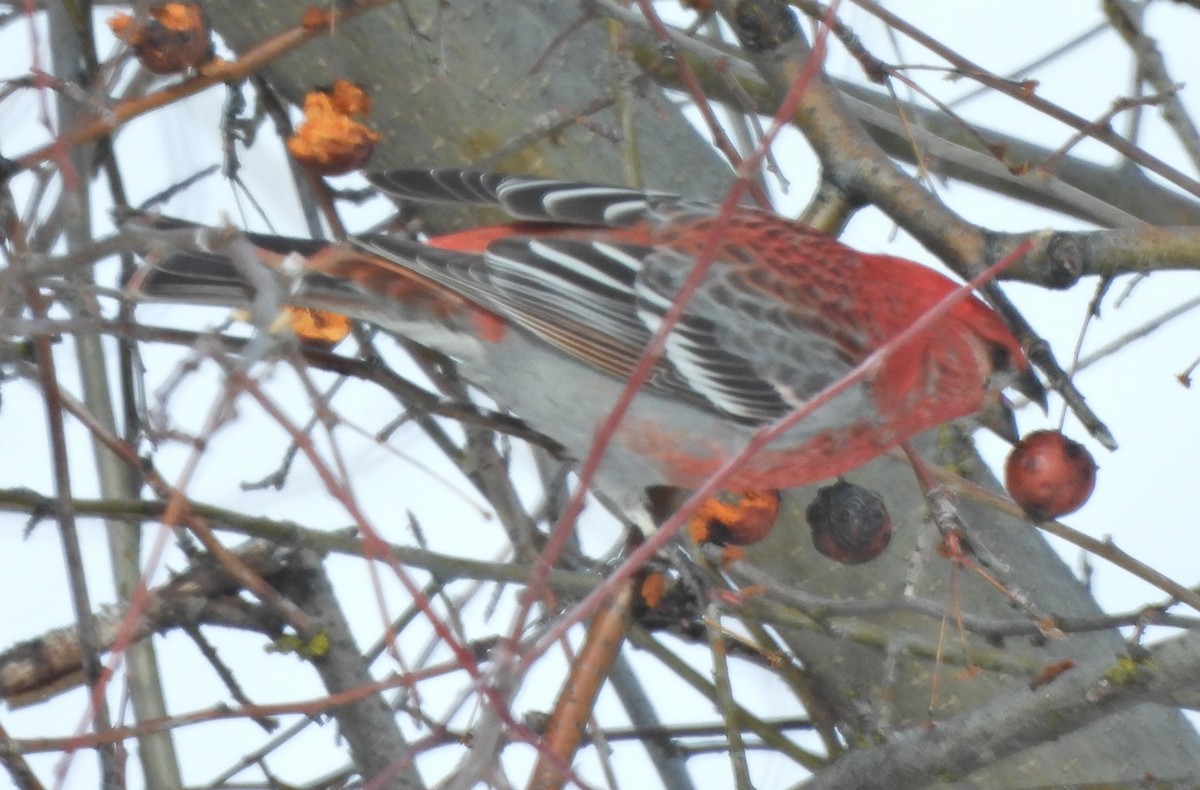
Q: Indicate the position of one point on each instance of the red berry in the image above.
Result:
(849, 523)
(1049, 475)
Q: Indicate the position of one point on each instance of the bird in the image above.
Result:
(549, 312)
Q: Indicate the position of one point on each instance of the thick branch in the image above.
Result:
(1015, 722)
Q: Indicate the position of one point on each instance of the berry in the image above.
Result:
(333, 139)
(1049, 475)
(175, 37)
(849, 523)
(735, 518)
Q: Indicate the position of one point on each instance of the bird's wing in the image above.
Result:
(583, 296)
(590, 299)
(531, 199)
(574, 294)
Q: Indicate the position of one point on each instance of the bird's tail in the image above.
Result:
(226, 268)
(193, 263)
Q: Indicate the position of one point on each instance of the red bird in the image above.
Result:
(549, 314)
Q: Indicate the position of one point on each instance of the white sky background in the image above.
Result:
(1145, 499)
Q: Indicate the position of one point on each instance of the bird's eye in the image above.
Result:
(1000, 357)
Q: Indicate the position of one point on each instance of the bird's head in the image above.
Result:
(998, 351)
(1000, 360)
(1004, 364)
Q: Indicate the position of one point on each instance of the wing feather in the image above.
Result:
(530, 199)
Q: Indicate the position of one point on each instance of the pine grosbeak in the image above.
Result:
(548, 314)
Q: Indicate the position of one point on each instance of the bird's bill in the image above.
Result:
(997, 416)
(1028, 384)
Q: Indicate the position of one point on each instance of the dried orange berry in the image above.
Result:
(174, 38)
(319, 327)
(330, 140)
(737, 518)
(653, 588)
